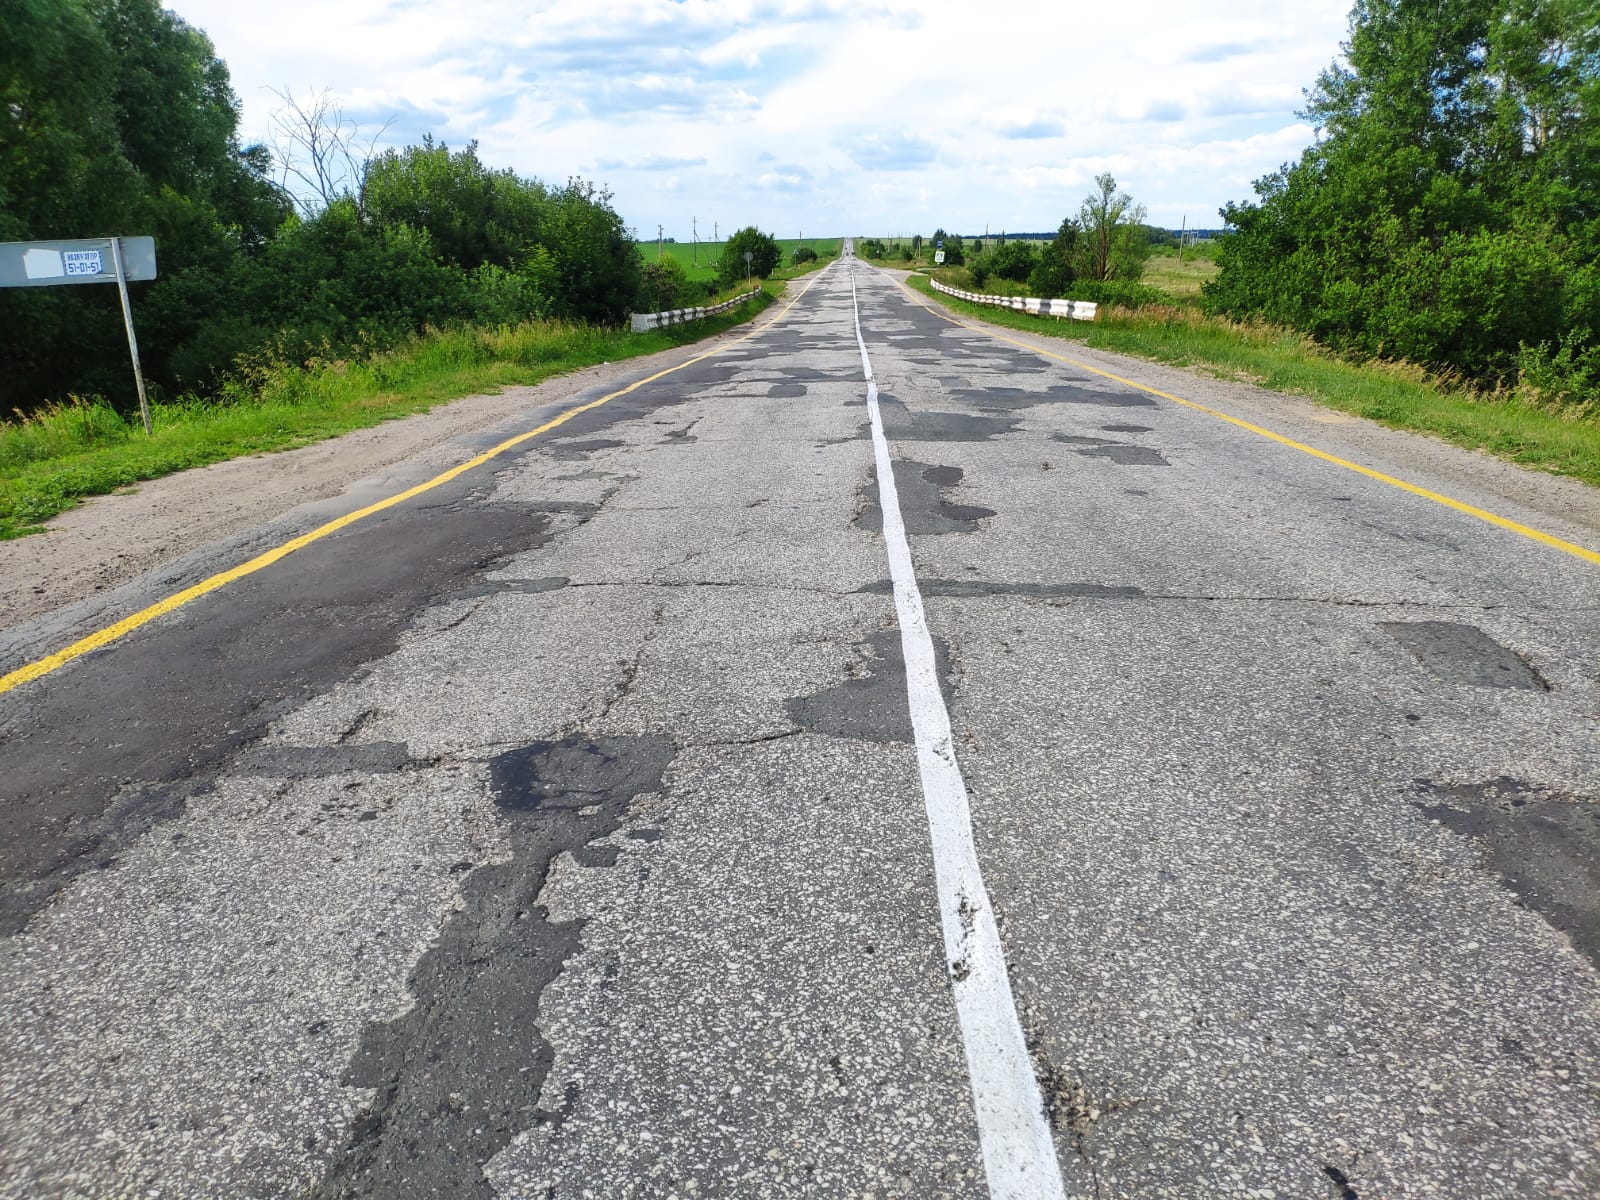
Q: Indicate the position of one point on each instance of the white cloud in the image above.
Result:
(884, 116)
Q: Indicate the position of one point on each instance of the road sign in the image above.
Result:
(938, 256)
(86, 260)
(79, 260)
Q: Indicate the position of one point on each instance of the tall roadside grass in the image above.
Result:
(1563, 440)
(52, 458)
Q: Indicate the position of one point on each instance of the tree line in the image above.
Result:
(117, 117)
(1099, 254)
(1449, 211)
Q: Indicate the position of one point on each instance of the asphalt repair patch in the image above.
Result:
(923, 507)
(1465, 654)
(459, 1074)
(1544, 845)
(98, 753)
(872, 705)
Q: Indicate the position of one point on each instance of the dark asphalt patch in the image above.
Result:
(315, 762)
(570, 448)
(458, 1076)
(99, 753)
(977, 589)
(1066, 393)
(1123, 454)
(1465, 654)
(1117, 428)
(784, 391)
(903, 425)
(922, 503)
(1543, 844)
(873, 706)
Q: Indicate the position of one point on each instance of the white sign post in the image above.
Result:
(84, 260)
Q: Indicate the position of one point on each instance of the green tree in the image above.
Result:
(1111, 243)
(474, 215)
(762, 248)
(118, 117)
(1055, 271)
(1448, 212)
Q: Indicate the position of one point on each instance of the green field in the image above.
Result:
(707, 253)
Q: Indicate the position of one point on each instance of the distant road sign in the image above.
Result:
(938, 256)
(81, 260)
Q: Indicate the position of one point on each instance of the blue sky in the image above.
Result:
(815, 115)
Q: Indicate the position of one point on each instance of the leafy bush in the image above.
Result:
(1054, 272)
(804, 254)
(762, 248)
(662, 285)
(1013, 260)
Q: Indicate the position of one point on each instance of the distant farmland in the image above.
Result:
(708, 253)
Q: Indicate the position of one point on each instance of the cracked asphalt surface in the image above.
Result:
(559, 833)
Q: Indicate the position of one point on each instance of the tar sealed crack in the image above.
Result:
(459, 1075)
(1342, 1182)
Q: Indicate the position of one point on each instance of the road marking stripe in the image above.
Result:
(127, 625)
(1019, 1157)
(1470, 510)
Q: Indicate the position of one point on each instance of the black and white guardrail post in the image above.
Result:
(84, 260)
(643, 322)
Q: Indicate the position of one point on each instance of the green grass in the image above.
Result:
(50, 460)
(1399, 395)
(708, 252)
(1182, 281)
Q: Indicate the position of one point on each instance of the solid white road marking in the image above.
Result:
(1019, 1157)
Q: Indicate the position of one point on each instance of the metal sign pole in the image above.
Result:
(133, 342)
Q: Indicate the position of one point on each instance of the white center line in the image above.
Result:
(1019, 1157)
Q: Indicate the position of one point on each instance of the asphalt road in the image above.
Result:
(564, 831)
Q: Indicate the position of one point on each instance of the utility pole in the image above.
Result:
(1182, 231)
(658, 243)
(714, 238)
(694, 234)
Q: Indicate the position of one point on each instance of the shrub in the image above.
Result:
(804, 254)
(662, 285)
(762, 248)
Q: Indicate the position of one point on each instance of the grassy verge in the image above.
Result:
(1398, 395)
(52, 459)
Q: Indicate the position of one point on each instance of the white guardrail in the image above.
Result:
(1078, 310)
(677, 316)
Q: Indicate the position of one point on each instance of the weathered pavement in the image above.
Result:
(561, 833)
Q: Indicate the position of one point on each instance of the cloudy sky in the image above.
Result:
(872, 117)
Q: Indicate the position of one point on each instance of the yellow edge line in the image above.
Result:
(1482, 514)
(127, 625)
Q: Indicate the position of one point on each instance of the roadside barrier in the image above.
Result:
(677, 316)
(1078, 310)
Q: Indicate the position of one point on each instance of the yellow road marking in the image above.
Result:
(1470, 510)
(127, 625)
